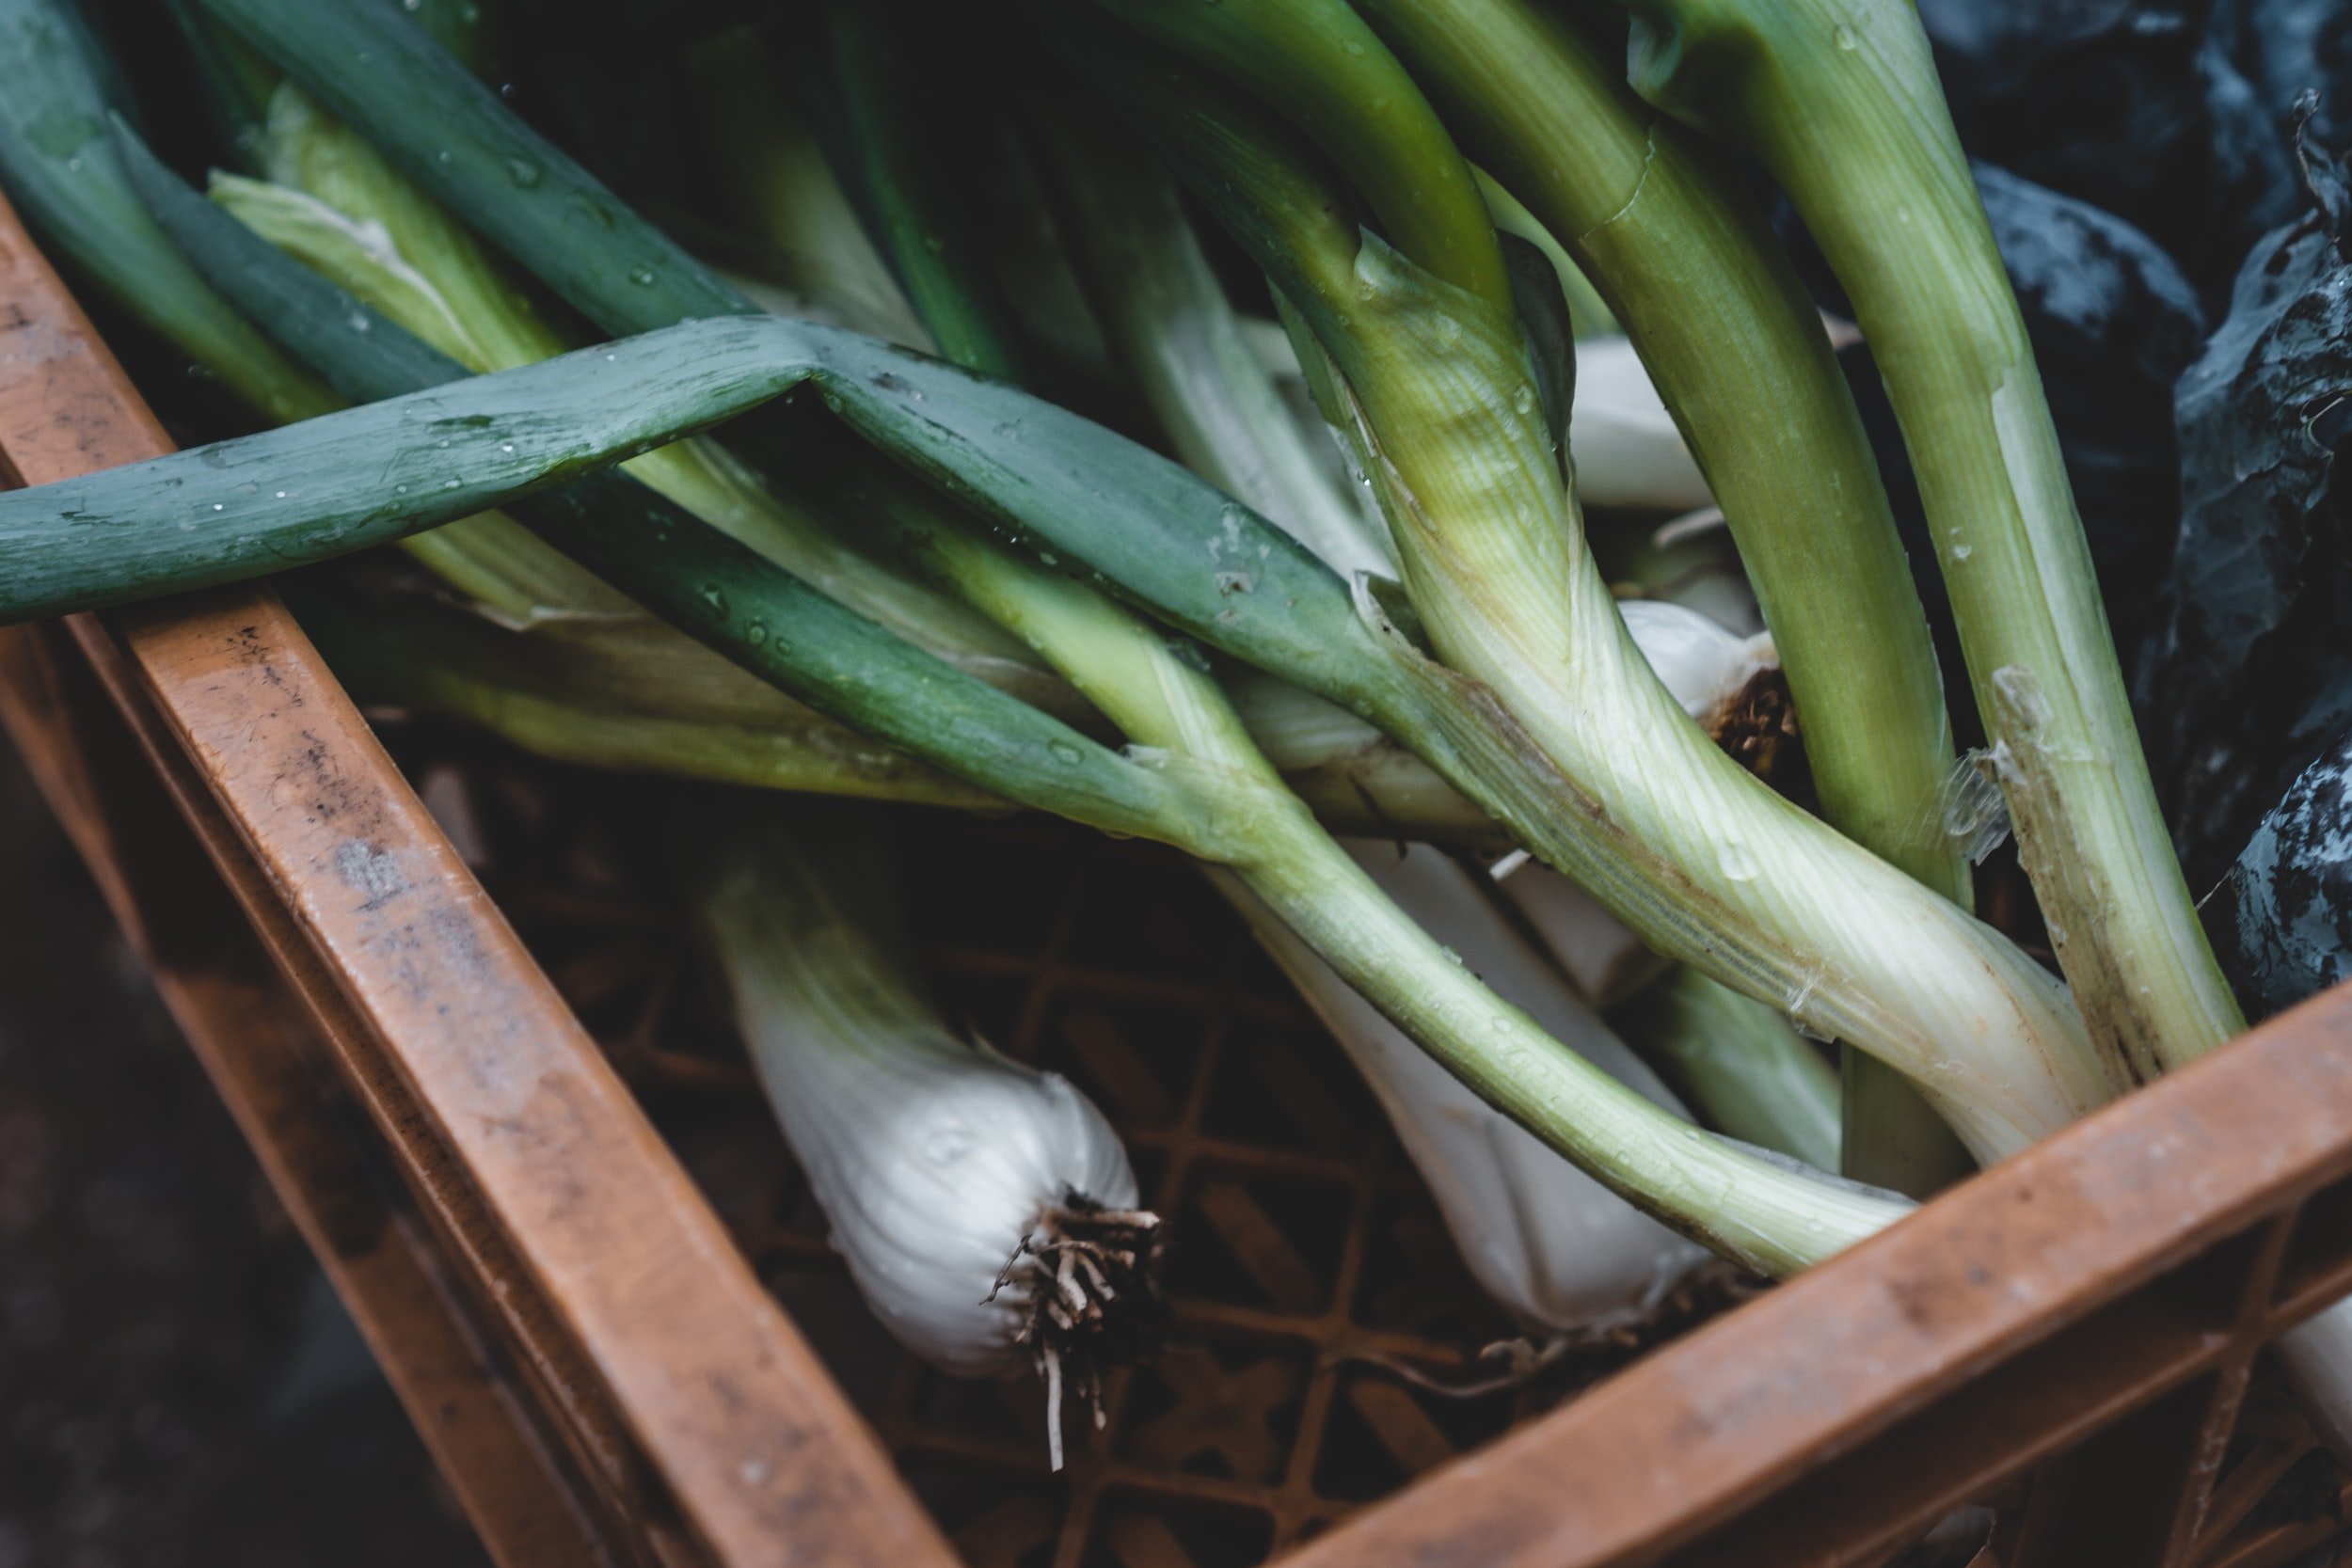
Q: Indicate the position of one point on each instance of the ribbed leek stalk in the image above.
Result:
(1724, 327)
(986, 1210)
(1493, 557)
(1841, 103)
(1555, 1249)
(1168, 318)
(1739, 1060)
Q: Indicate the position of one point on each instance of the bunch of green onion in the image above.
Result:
(1354, 590)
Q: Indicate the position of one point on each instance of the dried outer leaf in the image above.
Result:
(2245, 678)
(2126, 103)
(2069, 883)
(2114, 322)
(2282, 920)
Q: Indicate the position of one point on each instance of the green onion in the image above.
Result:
(1493, 556)
(986, 1210)
(1200, 785)
(1724, 327)
(1841, 102)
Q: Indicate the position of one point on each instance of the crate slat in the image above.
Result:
(740, 1445)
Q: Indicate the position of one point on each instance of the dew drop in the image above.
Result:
(1845, 38)
(1736, 860)
(642, 276)
(1065, 752)
(524, 172)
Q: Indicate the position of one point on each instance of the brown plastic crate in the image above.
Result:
(584, 1348)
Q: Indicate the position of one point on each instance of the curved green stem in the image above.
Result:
(1316, 63)
(59, 165)
(1494, 556)
(1725, 327)
(1840, 101)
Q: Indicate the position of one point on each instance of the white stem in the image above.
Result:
(1555, 1247)
(2318, 1361)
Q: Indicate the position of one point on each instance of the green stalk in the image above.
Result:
(1738, 1063)
(1725, 327)
(1162, 700)
(623, 692)
(357, 221)
(1327, 72)
(894, 165)
(1840, 101)
(59, 167)
(1175, 332)
(779, 186)
(1495, 561)
(1198, 783)
(1214, 569)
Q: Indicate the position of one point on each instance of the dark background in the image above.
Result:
(178, 1383)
